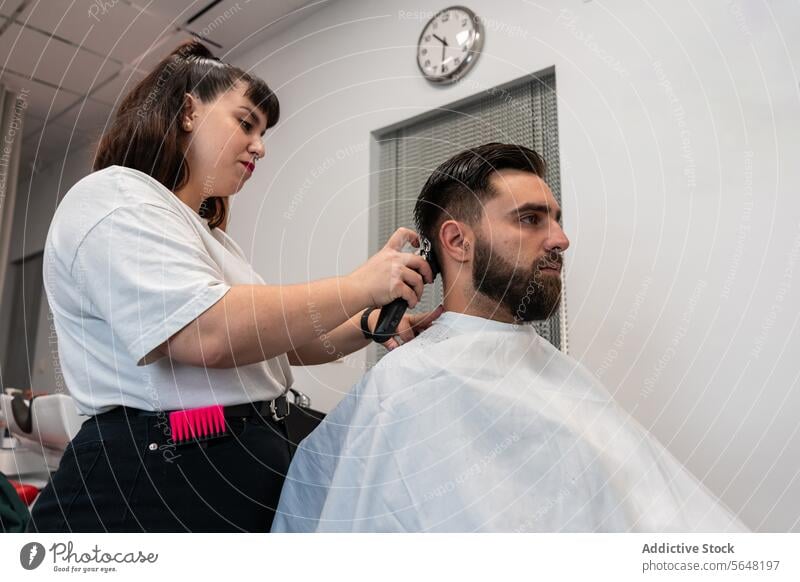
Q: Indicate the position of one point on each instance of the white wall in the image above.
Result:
(678, 133)
(37, 198)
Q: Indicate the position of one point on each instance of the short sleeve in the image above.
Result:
(145, 271)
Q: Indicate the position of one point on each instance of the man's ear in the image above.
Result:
(456, 241)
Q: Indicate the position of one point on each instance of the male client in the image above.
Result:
(480, 424)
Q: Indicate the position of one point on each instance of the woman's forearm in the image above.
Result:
(330, 346)
(253, 323)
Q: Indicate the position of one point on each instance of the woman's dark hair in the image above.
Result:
(459, 187)
(146, 131)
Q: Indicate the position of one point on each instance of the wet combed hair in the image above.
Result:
(458, 188)
(146, 133)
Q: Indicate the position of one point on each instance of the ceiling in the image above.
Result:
(78, 58)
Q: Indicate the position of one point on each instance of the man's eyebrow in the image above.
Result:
(534, 207)
(254, 114)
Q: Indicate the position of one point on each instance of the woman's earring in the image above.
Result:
(187, 126)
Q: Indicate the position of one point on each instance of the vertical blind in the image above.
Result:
(524, 113)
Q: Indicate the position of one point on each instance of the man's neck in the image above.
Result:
(471, 302)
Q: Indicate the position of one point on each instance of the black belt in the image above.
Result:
(277, 410)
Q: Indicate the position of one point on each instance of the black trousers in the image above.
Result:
(123, 473)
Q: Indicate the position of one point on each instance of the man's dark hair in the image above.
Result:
(458, 188)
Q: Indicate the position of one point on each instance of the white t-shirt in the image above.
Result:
(127, 264)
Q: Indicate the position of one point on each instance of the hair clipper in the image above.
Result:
(391, 313)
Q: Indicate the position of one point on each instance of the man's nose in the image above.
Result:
(556, 238)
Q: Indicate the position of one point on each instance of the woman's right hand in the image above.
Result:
(391, 273)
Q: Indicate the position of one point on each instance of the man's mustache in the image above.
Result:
(552, 260)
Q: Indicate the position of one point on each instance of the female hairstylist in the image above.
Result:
(165, 331)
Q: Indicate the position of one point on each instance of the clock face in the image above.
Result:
(449, 44)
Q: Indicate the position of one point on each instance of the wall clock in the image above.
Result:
(449, 44)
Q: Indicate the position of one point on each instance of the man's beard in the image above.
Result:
(529, 294)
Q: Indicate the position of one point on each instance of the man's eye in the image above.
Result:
(530, 219)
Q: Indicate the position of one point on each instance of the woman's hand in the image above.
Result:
(391, 273)
(410, 326)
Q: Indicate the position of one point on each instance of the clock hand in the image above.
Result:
(444, 44)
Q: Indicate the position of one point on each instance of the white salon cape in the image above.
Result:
(479, 425)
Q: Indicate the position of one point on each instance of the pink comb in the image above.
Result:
(197, 423)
